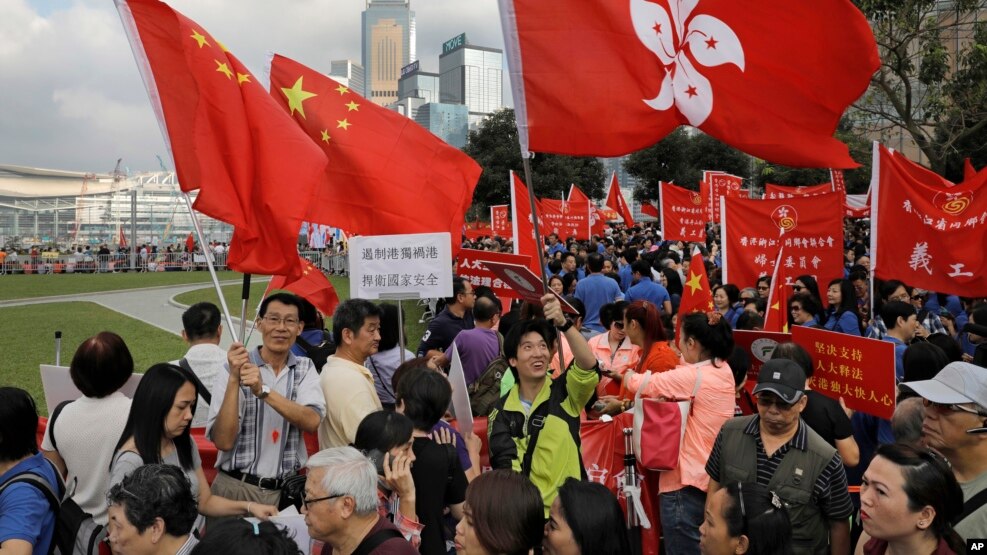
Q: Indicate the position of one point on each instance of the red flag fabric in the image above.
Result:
(838, 180)
(597, 221)
(813, 241)
(773, 191)
(944, 248)
(313, 286)
(580, 209)
(522, 223)
(387, 175)
(500, 220)
(649, 208)
(190, 242)
(747, 74)
(123, 238)
(567, 219)
(683, 214)
(968, 170)
(776, 314)
(251, 164)
(716, 185)
(615, 200)
(696, 294)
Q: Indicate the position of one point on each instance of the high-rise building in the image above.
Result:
(449, 122)
(471, 75)
(349, 73)
(415, 83)
(388, 45)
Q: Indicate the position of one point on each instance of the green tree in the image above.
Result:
(494, 145)
(932, 83)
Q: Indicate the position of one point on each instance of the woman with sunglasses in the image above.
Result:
(157, 431)
(803, 310)
(908, 499)
(745, 518)
(807, 284)
(613, 349)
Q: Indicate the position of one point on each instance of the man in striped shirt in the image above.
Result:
(778, 450)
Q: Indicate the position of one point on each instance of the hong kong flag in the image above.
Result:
(607, 78)
(943, 249)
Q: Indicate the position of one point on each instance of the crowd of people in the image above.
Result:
(770, 468)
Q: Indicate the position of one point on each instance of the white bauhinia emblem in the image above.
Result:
(710, 41)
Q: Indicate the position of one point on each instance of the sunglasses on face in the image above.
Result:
(951, 407)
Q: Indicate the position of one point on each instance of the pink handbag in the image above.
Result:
(659, 427)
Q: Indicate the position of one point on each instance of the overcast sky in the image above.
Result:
(71, 97)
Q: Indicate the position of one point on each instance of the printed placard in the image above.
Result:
(412, 266)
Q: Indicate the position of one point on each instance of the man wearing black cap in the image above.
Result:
(778, 450)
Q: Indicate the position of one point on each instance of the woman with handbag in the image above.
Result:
(157, 431)
(706, 379)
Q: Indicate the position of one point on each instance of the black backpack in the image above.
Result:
(319, 353)
(485, 391)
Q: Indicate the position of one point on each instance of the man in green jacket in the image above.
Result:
(534, 429)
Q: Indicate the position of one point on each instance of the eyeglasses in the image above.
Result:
(766, 402)
(307, 502)
(796, 308)
(951, 407)
(918, 297)
(276, 321)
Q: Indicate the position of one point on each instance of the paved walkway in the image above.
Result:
(152, 305)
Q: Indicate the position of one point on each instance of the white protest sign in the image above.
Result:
(460, 395)
(408, 266)
(58, 385)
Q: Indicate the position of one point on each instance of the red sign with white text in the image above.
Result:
(500, 220)
(717, 185)
(683, 214)
(859, 370)
(471, 264)
(813, 238)
(565, 218)
(772, 190)
(759, 345)
(527, 286)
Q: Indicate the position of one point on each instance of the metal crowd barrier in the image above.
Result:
(75, 263)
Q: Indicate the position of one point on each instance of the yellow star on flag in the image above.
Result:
(342, 90)
(343, 123)
(353, 106)
(242, 78)
(199, 38)
(224, 69)
(325, 135)
(296, 95)
(695, 282)
(222, 46)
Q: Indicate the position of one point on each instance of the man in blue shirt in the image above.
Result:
(555, 246)
(595, 291)
(902, 322)
(626, 274)
(569, 265)
(644, 289)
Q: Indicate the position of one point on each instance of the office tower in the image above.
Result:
(449, 122)
(471, 75)
(388, 45)
(415, 83)
(348, 73)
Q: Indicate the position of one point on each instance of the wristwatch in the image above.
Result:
(565, 327)
(265, 390)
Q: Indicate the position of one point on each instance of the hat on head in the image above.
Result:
(957, 383)
(783, 377)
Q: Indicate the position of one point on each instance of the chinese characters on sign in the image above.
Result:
(859, 370)
(683, 214)
(471, 265)
(500, 220)
(401, 266)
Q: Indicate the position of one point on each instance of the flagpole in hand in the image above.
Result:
(244, 295)
(207, 252)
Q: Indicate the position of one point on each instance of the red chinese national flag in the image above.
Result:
(313, 286)
(386, 175)
(696, 294)
(615, 200)
(524, 229)
(776, 314)
(943, 249)
(749, 74)
(683, 214)
(813, 241)
(251, 164)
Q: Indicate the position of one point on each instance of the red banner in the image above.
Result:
(838, 180)
(859, 370)
(944, 249)
(683, 214)
(717, 185)
(772, 190)
(522, 226)
(616, 201)
(813, 238)
(476, 230)
(471, 264)
(500, 220)
(759, 345)
(564, 218)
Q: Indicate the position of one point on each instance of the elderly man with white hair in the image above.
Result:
(340, 506)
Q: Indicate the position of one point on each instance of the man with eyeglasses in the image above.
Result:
(348, 386)
(340, 506)
(955, 424)
(261, 406)
(778, 450)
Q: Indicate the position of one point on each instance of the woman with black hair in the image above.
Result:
(157, 431)
(745, 518)
(672, 281)
(726, 300)
(503, 515)
(706, 342)
(585, 519)
(842, 314)
(239, 537)
(385, 437)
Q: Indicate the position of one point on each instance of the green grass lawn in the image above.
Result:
(29, 286)
(29, 331)
(412, 314)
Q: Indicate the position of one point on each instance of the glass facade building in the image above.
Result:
(449, 122)
(471, 75)
(388, 45)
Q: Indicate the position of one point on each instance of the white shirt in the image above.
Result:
(207, 360)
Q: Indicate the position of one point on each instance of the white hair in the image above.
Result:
(348, 472)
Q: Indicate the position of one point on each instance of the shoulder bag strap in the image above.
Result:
(373, 541)
(971, 506)
(51, 423)
(535, 424)
(379, 378)
(203, 390)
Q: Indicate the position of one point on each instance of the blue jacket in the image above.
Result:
(847, 323)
